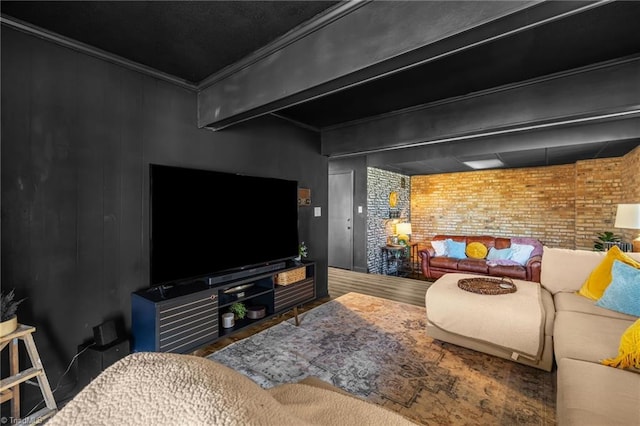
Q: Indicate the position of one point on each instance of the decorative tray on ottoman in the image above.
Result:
(488, 285)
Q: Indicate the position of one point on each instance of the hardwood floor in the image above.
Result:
(340, 281)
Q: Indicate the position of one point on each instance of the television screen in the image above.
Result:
(205, 223)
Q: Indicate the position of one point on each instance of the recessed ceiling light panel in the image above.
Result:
(484, 164)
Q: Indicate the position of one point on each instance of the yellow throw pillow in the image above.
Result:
(600, 277)
(476, 250)
(629, 351)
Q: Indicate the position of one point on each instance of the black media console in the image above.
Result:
(185, 317)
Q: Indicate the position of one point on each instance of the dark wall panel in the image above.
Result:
(78, 135)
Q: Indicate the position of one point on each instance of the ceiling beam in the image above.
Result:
(365, 43)
(625, 128)
(604, 92)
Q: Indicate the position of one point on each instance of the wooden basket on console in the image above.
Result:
(292, 276)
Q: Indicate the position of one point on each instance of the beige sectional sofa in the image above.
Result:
(574, 332)
(589, 393)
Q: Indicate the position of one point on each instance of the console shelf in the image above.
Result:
(186, 316)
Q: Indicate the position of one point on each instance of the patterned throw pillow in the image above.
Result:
(476, 250)
(623, 294)
(521, 253)
(440, 247)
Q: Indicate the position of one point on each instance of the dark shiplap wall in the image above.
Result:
(78, 134)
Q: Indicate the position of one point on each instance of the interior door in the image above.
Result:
(341, 220)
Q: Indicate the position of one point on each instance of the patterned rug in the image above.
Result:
(378, 349)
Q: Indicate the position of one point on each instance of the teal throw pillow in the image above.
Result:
(623, 294)
(456, 249)
(499, 254)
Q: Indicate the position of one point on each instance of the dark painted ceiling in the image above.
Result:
(192, 40)
(187, 39)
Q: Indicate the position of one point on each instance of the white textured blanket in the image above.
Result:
(514, 321)
(171, 389)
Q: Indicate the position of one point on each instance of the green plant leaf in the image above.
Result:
(239, 309)
(605, 237)
(8, 306)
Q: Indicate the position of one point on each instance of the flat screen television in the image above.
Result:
(206, 223)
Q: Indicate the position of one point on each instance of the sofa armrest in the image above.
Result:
(425, 255)
(534, 267)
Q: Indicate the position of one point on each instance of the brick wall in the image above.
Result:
(598, 191)
(536, 202)
(562, 206)
(630, 181)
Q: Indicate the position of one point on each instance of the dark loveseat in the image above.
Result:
(435, 266)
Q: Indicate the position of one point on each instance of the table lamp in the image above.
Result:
(404, 232)
(628, 217)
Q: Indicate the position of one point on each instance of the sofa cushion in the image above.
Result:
(629, 350)
(592, 394)
(587, 337)
(444, 262)
(566, 269)
(576, 303)
(502, 243)
(600, 276)
(623, 294)
(511, 271)
(503, 262)
(473, 265)
(549, 311)
(486, 240)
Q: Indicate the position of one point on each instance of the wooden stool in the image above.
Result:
(10, 386)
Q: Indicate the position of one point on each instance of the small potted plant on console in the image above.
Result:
(238, 309)
(302, 253)
(8, 310)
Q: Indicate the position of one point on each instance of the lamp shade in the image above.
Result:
(403, 229)
(628, 216)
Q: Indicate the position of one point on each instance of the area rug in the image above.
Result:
(378, 349)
